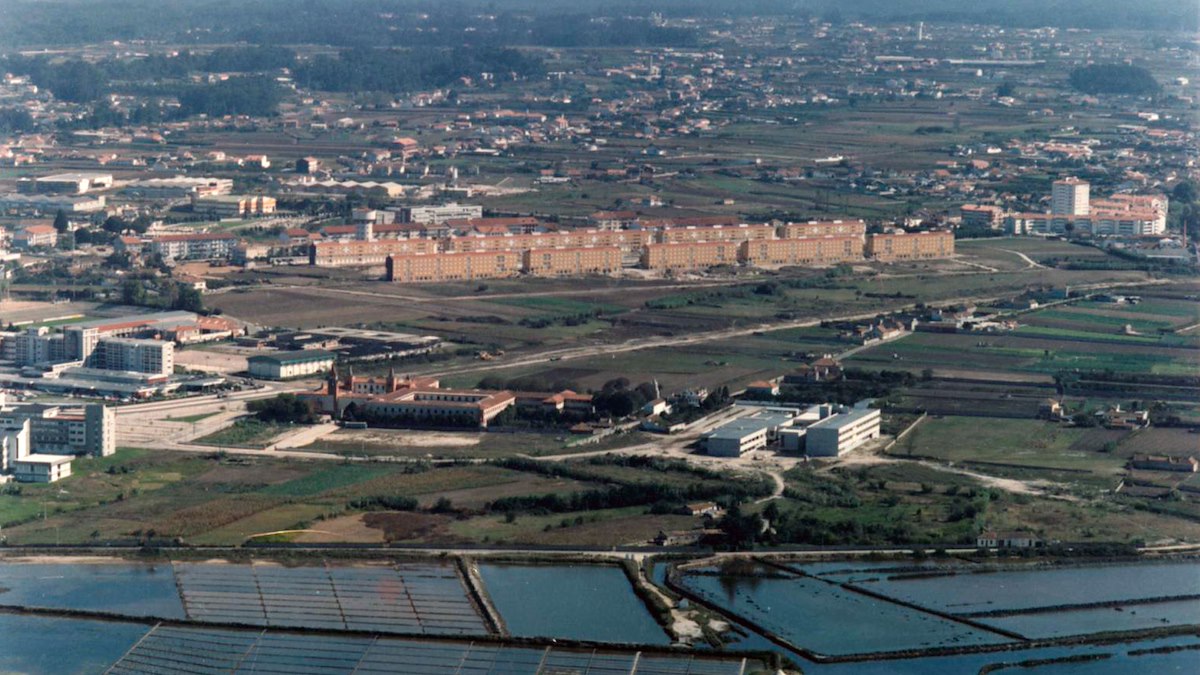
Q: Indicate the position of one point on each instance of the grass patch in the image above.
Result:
(1045, 331)
(325, 478)
(1007, 441)
(246, 432)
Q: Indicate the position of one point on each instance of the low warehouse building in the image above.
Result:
(842, 432)
(286, 365)
(746, 434)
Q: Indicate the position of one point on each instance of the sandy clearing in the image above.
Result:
(1035, 487)
(62, 559)
(341, 529)
(406, 438)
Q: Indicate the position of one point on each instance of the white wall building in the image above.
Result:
(73, 183)
(286, 365)
(440, 214)
(59, 430)
(842, 432)
(1069, 197)
(747, 434)
(49, 204)
(18, 462)
(155, 357)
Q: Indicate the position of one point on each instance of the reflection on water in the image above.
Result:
(582, 602)
(132, 589)
(37, 644)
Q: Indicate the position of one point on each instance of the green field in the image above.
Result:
(328, 478)
(244, 433)
(1032, 349)
(1026, 443)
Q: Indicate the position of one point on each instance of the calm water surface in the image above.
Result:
(1045, 587)
(38, 644)
(581, 602)
(132, 589)
(816, 615)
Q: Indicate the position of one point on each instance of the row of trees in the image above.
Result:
(855, 385)
(1184, 211)
(374, 23)
(82, 81)
(396, 70)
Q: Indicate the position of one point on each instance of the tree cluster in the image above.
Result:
(15, 121)
(166, 294)
(255, 96)
(1113, 78)
(284, 408)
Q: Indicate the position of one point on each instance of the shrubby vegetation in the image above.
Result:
(383, 503)
(660, 495)
(283, 408)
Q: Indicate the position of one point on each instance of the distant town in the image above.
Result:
(532, 337)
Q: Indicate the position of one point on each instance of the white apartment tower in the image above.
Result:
(1069, 197)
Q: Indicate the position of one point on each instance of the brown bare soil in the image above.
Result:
(402, 525)
(342, 529)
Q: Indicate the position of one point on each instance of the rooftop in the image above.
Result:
(845, 419)
(745, 426)
(301, 356)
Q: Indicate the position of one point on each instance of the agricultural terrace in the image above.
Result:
(1084, 336)
(144, 496)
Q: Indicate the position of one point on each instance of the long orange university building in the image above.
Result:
(910, 246)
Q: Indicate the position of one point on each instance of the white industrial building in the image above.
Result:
(180, 186)
(824, 430)
(20, 204)
(70, 183)
(440, 214)
(747, 434)
(286, 365)
(841, 432)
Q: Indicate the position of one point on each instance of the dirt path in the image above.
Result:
(1030, 262)
(1035, 488)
